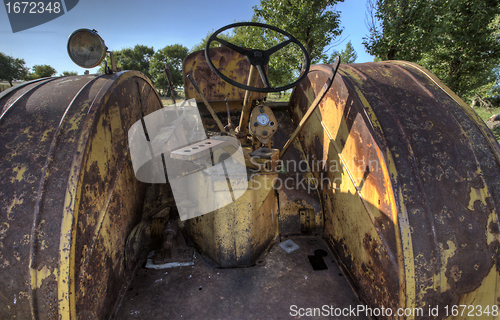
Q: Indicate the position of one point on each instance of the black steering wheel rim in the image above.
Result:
(258, 58)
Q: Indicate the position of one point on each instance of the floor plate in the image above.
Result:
(269, 290)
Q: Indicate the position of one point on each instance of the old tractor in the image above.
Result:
(374, 192)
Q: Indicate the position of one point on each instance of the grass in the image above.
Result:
(168, 100)
(4, 85)
(496, 133)
(485, 114)
(271, 97)
(278, 96)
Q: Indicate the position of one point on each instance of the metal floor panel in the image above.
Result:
(266, 291)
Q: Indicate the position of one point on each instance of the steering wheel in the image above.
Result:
(257, 58)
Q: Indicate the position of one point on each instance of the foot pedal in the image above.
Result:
(173, 251)
(151, 265)
(289, 246)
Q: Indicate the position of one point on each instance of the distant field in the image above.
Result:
(5, 84)
(168, 100)
(271, 97)
(485, 114)
(278, 96)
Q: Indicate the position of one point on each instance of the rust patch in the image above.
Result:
(232, 64)
(43, 129)
(444, 169)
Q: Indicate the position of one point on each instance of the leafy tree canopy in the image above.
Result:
(41, 71)
(12, 68)
(458, 40)
(314, 23)
(136, 58)
(173, 55)
(214, 44)
(284, 65)
(348, 55)
(69, 73)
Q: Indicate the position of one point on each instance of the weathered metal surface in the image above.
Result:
(313, 106)
(69, 197)
(296, 190)
(237, 234)
(267, 291)
(216, 90)
(266, 131)
(173, 246)
(205, 102)
(412, 196)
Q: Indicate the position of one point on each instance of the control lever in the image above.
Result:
(173, 246)
(170, 83)
(209, 107)
(229, 125)
(313, 107)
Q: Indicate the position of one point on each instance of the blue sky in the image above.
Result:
(125, 23)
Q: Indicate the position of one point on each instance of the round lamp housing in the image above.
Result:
(86, 48)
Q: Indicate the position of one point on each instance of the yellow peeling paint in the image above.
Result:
(39, 229)
(45, 135)
(492, 237)
(23, 295)
(5, 263)
(20, 170)
(400, 218)
(440, 279)
(3, 229)
(17, 200)
(486, 295)
(495, 147)
(25, 240)
(75, 122)
(477, 195)
(37, 276)
(66, 248)
(100, 146)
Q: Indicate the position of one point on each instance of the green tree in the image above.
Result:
(12, 68)
(173, 55)
(284, 65)
(136, 58)
(314, 23)
(348, 55)
(455, 39)
(214, 44)
(68, 73)
(42, 71)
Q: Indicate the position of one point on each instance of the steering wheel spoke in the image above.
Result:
(263, 75)
(278, 47)
(234, 47)
(258, 58)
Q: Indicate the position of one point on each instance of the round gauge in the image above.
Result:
(263, 119)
